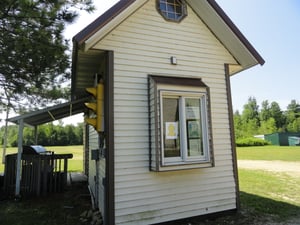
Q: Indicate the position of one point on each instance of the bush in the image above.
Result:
(251, 141)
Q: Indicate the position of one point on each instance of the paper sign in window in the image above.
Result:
(192, 113)
(171, 130)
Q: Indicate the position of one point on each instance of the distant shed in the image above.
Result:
(281, 139)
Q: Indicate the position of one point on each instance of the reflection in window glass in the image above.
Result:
(193, 126)
(184, 128)
(171, 132)
(172, 9)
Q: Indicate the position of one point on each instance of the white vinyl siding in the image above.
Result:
(97, 190)
(143, 45)
(93, 144)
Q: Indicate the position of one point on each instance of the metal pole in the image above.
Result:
(35, 135)
(20, 150)
(5, 136)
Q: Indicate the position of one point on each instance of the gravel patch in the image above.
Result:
(292, 168)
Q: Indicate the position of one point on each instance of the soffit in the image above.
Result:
(87, 65)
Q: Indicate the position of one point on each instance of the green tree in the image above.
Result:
(250, 111)
(265, 113)
(274, 111)
(238, 125)
(34, 59)
(292, 117)
(250, 117)
(278, 115)
(268, 126)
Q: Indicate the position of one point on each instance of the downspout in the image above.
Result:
(19, 157)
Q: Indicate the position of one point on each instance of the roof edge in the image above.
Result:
(236, 31)
(101, 21)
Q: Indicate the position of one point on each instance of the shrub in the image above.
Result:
(251, 141)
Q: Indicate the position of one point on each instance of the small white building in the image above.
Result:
(167, 151)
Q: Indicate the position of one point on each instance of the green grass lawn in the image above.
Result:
(270, 193)
(74, 164)
(265, 197)
(283, 153)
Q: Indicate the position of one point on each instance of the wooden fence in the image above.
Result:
(40, 174)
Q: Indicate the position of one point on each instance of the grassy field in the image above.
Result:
(74, 164)
(270, 193)
(266, 197)
(283, 153)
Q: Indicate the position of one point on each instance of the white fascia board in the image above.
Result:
(225, 35)
(100, 34)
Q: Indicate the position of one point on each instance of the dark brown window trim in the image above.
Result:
(109, 181)
(233, 144)
(176, 81)
(183, 81)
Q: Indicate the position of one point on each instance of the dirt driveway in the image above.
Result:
(292, 168)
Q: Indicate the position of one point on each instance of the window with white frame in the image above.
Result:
(184, 127)
(181, 130)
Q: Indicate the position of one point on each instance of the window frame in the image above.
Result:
(164, 12)
(183, 138)
(158, 84)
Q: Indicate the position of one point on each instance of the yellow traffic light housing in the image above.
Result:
(96, 106)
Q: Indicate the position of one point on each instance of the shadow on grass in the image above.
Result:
(54, 209)
(65, 208)
(267, 206)
(254, 210)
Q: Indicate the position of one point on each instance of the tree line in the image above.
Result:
(48, 135)
(267, 119)
(253, 120)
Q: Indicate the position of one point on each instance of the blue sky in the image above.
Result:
(273, 28)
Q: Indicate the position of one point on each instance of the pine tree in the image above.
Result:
(34, 59)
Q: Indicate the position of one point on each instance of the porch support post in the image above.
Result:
(19, 156)
(35, 135)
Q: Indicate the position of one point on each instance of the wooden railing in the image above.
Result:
(40, 174)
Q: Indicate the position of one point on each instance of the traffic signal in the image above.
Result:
(96, 105)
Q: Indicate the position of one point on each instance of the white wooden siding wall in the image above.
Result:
(142, 45)
(101, 197)
(93, 144)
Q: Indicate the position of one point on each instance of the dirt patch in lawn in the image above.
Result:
(292, 168)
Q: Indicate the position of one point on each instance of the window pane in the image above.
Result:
(171, 127)
(172, 9)
(194, 126)
(163, 7)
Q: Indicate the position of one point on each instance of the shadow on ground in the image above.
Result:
(66, 208)
(254, 210)
(55, 209)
